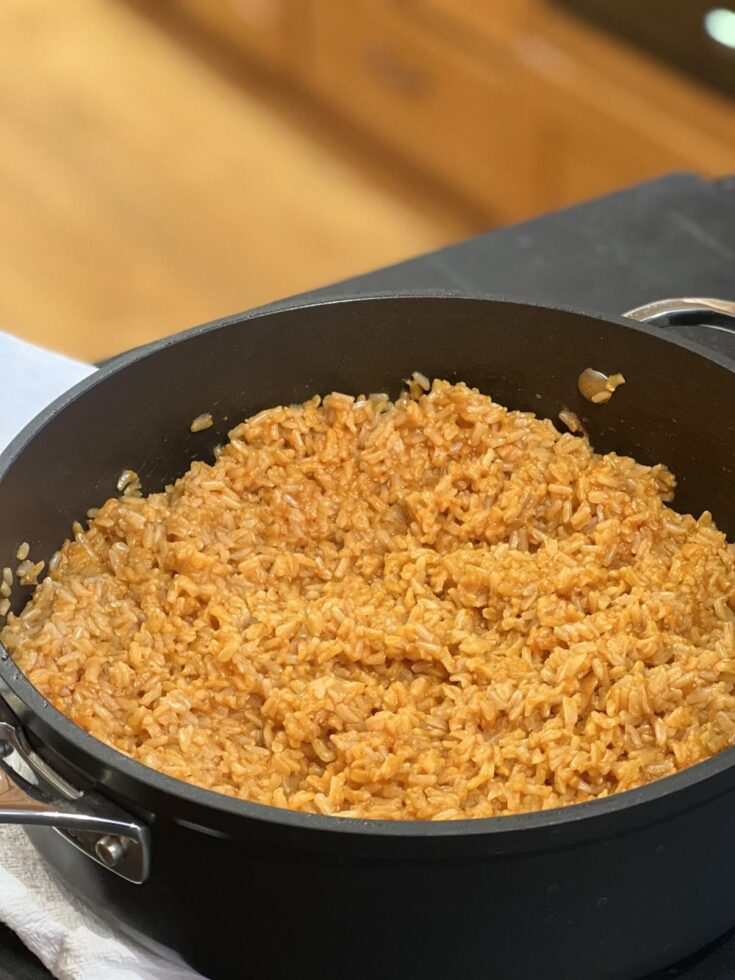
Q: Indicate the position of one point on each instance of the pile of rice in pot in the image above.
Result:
(432, 608)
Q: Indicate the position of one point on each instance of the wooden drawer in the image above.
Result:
(495, 21)
(586, 161)
(601, 135)
(264, 28)
(589, 158)
(612, 117)
(466, 118)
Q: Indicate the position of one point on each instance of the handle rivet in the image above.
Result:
(110, 850)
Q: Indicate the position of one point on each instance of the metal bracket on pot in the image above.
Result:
(717, 314)
(93, 824)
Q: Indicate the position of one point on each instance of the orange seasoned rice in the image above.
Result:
(431, 608)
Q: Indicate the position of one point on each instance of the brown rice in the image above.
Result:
(433, 608)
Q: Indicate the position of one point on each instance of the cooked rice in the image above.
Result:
(27, 572)
(128, 483)
(202, 422)
(598, 387)
(433, 608)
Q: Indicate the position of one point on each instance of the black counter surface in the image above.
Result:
(671, 237)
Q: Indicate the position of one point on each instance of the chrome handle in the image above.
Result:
(716, 314)
(93, 824)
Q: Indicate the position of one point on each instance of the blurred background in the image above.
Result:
(166, 162)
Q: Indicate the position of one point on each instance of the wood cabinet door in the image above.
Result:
(465, 116)
(260, 27)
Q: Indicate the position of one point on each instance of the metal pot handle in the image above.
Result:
(717, 314)
(93, 824)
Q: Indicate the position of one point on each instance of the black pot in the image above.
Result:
(609, 889)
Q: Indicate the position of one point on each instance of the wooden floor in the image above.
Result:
(142, 190)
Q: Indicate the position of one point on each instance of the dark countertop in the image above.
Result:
(671, 237)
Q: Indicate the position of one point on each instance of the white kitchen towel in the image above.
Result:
(63, 932)
(30, 378)
(71, 942)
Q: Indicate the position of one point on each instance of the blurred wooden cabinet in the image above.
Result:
(511, 104)
(266, 29)
(469, 121)
(610, 116)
